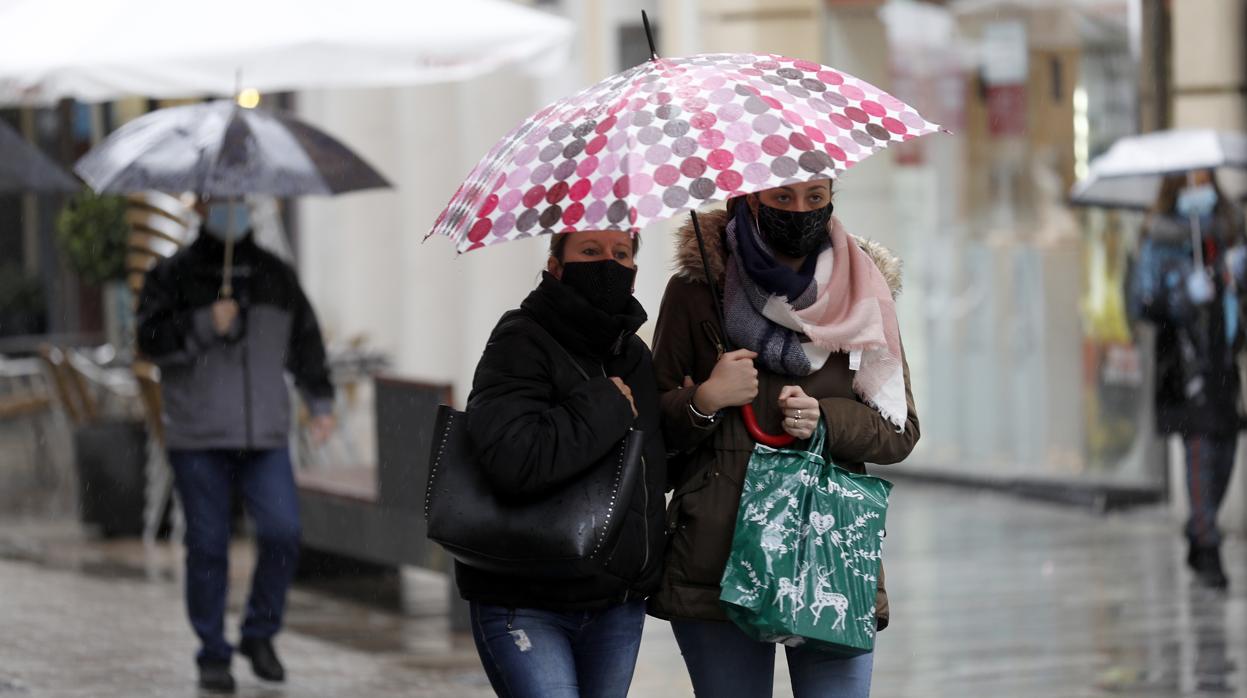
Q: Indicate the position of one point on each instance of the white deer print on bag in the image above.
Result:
(824, 597)
(794, 592)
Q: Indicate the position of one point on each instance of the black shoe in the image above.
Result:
(215, 677)
(264, 661)
(1206, 562)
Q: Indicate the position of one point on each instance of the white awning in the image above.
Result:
(107, 49)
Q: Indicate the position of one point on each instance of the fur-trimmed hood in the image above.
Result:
(713, 224)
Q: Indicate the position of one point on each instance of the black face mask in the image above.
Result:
(607, 284)
(794, 233)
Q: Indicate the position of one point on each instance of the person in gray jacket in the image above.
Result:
(227, 418)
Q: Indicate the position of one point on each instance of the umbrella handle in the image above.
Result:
(755, 430)
(227, 270)
(227, 267)
(746, 411)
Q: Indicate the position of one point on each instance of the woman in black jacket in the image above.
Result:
(1193, 297)
(536, 423)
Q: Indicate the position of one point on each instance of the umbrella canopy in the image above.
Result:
(107, 49)
(671, 135)
(1129, 174)
(24, 168)
(222, 150)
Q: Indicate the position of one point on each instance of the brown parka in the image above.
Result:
(709, 468)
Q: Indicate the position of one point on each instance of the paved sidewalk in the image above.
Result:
(991, 597)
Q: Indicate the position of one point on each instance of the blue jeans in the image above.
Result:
(724, 662)
(529, 653)
(205, 483)
(1209, 465)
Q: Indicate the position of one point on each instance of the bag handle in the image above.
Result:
(819, 439)
(579, 369)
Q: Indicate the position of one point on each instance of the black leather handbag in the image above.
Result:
(566, 533)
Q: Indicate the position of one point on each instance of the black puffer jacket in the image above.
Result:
(536, 423)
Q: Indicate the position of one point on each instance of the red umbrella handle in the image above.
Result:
(755, 430)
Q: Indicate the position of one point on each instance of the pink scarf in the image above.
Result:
(854, 312)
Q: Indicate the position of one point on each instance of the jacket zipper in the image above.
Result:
(246, 390)
(645, 510)
(713, 335)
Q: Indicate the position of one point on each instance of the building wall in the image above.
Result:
(363, 257)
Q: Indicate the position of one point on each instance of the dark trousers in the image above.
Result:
(1209, 465)
(530, 653)
(205, 483)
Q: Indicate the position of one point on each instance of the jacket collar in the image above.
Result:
(206, 243)
(579, 326)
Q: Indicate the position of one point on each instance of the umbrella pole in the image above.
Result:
(1197, 238)
(227, 272)
(710, 280)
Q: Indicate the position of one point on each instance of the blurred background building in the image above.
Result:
(1025, 369)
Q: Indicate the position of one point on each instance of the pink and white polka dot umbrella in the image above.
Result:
(668, 136)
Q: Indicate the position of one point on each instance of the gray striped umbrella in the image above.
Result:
(220, 150)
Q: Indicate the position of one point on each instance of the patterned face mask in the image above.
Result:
(794, 233)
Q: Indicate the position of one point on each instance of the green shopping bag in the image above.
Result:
(805, 556)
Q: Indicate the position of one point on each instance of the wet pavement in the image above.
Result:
(991, 596)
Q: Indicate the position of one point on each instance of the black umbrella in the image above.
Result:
(221, 150)
(24, 168)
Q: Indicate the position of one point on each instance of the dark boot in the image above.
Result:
(1206, 563)
(264, 661)
(215, 677)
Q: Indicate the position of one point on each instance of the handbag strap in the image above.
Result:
(579, 369)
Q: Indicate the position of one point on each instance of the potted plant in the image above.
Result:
(111, 452)
(93, 234)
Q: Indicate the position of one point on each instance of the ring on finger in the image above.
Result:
(798, 417)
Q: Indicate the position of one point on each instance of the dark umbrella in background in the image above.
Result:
(24, 168)
(219, 150)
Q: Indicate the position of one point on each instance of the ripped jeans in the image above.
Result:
(529, 653)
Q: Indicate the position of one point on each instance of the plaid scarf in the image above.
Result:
(838, 301)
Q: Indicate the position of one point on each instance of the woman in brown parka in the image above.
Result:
(812, 311)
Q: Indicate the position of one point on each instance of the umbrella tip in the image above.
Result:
(649, 35)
